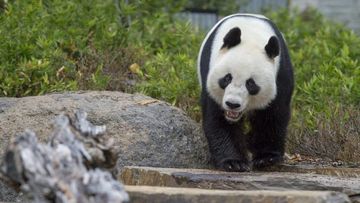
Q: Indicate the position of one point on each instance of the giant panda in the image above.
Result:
(246, 80)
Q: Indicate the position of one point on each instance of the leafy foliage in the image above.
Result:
(57, 45)
(224, 7)
(41, 42)
(167, 80)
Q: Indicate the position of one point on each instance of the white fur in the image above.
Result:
(212, 30)
(244, 61)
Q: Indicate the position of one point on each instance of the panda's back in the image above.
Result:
(255, 31)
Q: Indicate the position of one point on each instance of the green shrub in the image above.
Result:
(224, 7)
(171, 74)
(48, 46)
(41, 41)
(172, 78)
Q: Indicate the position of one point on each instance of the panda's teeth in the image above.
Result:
(232, 114)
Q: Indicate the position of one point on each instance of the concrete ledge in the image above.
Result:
(149, 194)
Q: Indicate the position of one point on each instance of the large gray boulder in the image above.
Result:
(148, 132)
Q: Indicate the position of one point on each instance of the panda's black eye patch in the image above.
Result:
(252, 87)
(225, 81)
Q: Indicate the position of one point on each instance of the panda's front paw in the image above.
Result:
(234, 165)
(268, 160)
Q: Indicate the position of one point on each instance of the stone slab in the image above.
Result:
(210, 179)
(323, 170)
(151, 194)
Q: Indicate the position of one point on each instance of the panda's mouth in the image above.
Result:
(232, 115)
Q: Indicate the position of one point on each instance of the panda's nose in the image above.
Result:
(232, 105)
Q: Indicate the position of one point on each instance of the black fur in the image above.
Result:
(252, 87)
(205, 57)
(232, 38)
(225, 81)
(272, 47)
(227, 143)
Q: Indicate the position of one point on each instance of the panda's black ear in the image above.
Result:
(272, 48)
(232, 38)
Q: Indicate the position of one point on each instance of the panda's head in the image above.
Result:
(243, 77)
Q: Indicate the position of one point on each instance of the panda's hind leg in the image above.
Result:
(267, 135)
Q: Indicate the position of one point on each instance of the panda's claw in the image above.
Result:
(267, 161)
(235, 165)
